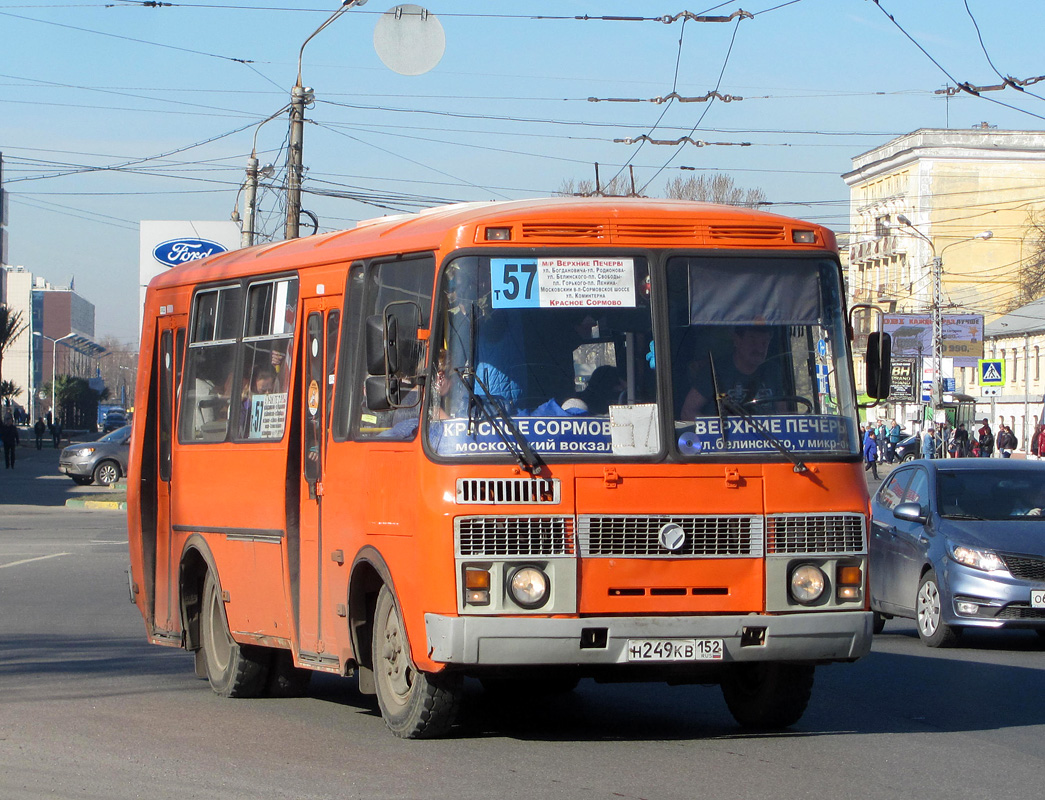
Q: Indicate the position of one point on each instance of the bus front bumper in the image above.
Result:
(519, 641)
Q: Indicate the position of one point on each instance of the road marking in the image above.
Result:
(105, 541)
(31, 560)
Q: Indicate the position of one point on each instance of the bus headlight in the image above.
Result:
(529, 587)
(807, 583)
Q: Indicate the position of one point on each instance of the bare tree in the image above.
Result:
(716, 189)
(1030, 278)
(620, 186)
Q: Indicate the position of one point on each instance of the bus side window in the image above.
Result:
(210, 365)
(268, 347)
(389, 282)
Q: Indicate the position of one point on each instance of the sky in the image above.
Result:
(115, 112)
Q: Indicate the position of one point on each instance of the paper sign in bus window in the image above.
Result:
(562, 282)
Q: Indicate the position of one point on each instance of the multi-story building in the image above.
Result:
(1018, 341)
(65, 322)
(921, 208)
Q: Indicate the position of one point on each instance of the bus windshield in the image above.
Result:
(556, 354)
(758, 356)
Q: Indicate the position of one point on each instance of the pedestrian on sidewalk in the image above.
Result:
(9, 435)
(39, 428)
(56, 433)
(871, 454)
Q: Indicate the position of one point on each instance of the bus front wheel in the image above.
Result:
(768, 696)
(414, 704)
(233, 669)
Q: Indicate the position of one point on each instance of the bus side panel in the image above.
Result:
(234, 496)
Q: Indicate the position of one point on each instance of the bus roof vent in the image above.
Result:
(763, 233)
(636, 231)
(563, 230)
(507, 491)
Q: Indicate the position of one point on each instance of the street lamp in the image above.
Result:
(54, 362)
(937, 302)
(300, 96)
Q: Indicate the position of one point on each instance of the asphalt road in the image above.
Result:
(89, 710)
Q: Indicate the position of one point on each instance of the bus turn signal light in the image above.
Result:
(803, 237)
(476, 586)
(849, 581)
(498, 234)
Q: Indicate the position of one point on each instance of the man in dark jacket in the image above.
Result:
(9, 436)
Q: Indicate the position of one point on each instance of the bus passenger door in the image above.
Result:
(167, 370)
(317, 374)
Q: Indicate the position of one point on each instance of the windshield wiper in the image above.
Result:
(724, 403)
(735, 408)
(960, 516)
(517, 444)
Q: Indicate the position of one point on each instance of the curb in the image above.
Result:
(113, 505)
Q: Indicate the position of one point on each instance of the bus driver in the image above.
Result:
(744, 376)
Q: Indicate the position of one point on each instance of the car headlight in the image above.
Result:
(808, 583)
(977, 559)
(528, 587)
(83, 452)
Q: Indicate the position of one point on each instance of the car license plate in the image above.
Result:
(1037, 598)
(674, 649)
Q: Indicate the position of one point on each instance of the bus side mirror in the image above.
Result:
(382, 347)
(383, 392)
(878, 361)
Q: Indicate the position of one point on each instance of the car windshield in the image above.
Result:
(995, 494)
(118, 436)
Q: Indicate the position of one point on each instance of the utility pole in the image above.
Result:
(294, 155)
(300, 96)
(937, 332)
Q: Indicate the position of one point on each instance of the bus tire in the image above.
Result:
(233, 669)
(414, 704)
(768, 696)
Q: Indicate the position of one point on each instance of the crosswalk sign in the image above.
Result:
(992, 371)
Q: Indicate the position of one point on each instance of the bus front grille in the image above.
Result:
(802, 534)
(702, 536)
(508, 491)
(493, 536)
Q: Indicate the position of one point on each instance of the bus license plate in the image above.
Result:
(674, 649)
(1037, 598)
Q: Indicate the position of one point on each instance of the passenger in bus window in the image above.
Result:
(746, 375)
(499, 358)
(603, 390)
(262, 382)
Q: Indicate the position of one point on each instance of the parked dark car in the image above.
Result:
(114, 418)
(959, 543)
(103, 462)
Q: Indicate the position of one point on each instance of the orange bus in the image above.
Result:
(524, 442)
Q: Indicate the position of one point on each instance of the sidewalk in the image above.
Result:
(35, 480)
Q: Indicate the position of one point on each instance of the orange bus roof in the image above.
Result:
(562, 221)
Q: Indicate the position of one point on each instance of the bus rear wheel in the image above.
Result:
(233, 669)
(414, 704)
(768, 696)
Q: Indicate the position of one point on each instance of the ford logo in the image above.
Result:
(181, 251)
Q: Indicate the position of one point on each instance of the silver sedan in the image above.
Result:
(960, 543)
